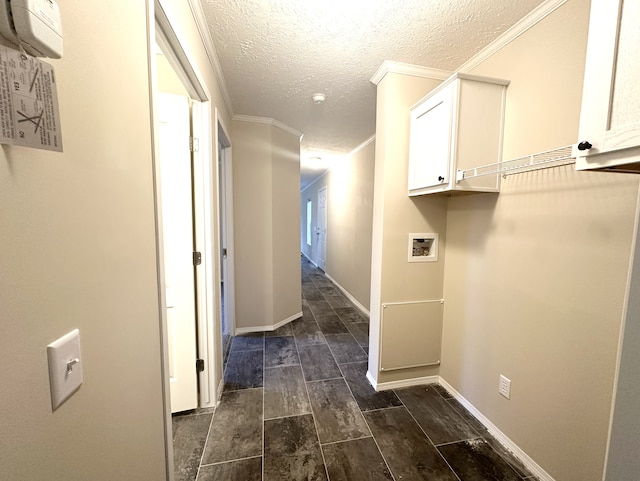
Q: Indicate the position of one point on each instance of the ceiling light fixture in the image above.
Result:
(318, 98)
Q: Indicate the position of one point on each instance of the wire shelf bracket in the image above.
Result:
(541, 160)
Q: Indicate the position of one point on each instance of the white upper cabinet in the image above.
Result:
(458, 126)
(610, 117)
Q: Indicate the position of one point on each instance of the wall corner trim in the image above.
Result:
(389, 66)
(414, 381)
(212, 54)
(528, 21)
(273, 327)
(269, 121)
(502, 438)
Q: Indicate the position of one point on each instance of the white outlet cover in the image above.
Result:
(504, 387)
(65, 367)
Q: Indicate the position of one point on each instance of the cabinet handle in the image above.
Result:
(440, 178)
(584, 145)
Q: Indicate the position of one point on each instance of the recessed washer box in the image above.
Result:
(423, 247)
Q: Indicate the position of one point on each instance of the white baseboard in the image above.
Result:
(502, 438)
(364, 310)
(273, 327)
(309, 259)
(416, 381)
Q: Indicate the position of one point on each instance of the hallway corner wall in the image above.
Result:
(395, 215)
(266, 178)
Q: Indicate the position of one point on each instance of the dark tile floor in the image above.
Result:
(297, 406)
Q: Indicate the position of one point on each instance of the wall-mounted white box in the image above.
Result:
(423, 247)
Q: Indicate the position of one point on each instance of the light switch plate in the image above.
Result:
(65, 367)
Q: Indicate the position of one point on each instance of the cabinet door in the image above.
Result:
(610, 116)
(430, 147)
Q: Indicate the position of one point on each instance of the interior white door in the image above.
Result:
(321, 229)
(177, 231)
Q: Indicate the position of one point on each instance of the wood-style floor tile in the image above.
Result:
(331, 324)
(307, 332)
(189, 435)
(318, 363)
(253, 341)
(408, 452)
(350, 314)
(236, 427)
(291, 450)
(345, 348)
(244, 469)
(360, 330)
(337, 415)
(285, 393)
(435, 415)
(280, 351)
(367, 397)
(475, 460)
(280, 332)
(358, 460)
(244, 370)
(320, 308)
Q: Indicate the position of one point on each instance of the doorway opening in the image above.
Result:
(186, 179)
(225, 208)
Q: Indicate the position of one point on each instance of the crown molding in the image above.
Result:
(361, 146)
(212, 54)
(389, 66)
(528, 21)
(268, 121)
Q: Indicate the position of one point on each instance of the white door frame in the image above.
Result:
(162, 33)
(226, 216)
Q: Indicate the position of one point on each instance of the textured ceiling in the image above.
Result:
(276, 53)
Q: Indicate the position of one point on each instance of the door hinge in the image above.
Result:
(199, 365)
(194, 144)
(197, 258)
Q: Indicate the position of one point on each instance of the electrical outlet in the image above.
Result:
(504, 387)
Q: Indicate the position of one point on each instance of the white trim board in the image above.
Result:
(389, 66)
(269, 121)
(531, 19)
(205, 35)
(348, 295)
(309, 259)
(502, 438)
(273, 327)
(414, 381)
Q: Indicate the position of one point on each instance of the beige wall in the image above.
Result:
(285, 184)
(535, 277)
(395, 215)
(78, 250)
(266, 178)
(349, 221)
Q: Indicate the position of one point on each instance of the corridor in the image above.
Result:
(297, 406)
